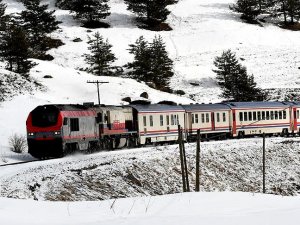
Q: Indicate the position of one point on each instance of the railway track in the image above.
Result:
(17, 163)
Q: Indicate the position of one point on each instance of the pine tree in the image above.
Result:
(151, 63)
(101, 56)
(3, 18)
(234, 81)
(140, 67)
(161, 65)
(91, 12)
(152, 11)
(14, 49)
(292, 8)
(37, 21)
(250, 9)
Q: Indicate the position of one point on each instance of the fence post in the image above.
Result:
(185, 164)
(198, 162)
(264, 164)
(181, 159)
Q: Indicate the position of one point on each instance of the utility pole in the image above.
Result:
(97, 82)
(264, 163)
(198, 162)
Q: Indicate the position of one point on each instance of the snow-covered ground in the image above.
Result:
(188, 209)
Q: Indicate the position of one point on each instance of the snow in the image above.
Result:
(187, 208)
(202, 29)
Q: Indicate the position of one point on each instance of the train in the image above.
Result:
(54, 130)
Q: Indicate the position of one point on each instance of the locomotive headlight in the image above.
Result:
(57, 132)
(30, 134)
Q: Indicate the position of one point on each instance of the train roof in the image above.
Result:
(238, 105)
(206, 107)
(157, 108)
(63, 107)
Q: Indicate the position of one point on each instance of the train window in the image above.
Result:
(161, 120)
(74, 124)
(145, 121)
(99, 118)
(177, 119)
(168, 120)
(276, 115)
(245, 116)
(272, 115)
(172, 119)
(196, 118)
(258, 115)
(193, 118)
(224, 117)
(65, 121)
(218, 117)
(202, 118)
(267, 115)
(280, 115)
(250, 116)
(207, 117)
(297, 114)
(151, 121)
(254, 116)
(284, 114)
(241, 116)
(263, 115)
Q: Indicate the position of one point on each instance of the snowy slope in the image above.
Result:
(188, 209)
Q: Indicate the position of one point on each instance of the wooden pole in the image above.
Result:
(181, 159)
(198, 162)
(264, 164)
(185, 164)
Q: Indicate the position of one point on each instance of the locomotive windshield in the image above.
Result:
(44, 116)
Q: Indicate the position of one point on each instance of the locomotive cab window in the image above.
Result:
(65, 121)
(74, 124)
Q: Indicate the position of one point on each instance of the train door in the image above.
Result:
(213, 125)
(233, 122)
(295, 116)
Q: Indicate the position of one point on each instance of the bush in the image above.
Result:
(17, 143)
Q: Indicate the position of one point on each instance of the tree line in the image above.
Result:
(92, 12)
(26, 35)
(251, 9)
